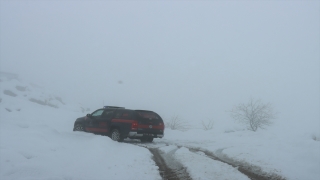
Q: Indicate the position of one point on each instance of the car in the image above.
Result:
(119, 123)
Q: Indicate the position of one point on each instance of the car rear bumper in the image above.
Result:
(133, 134)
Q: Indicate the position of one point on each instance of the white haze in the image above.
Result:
(194, 59)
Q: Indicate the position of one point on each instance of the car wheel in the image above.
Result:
(116, 136)
(149, 139)
(78, 127)
(146, 139)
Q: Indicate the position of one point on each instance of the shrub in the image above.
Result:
(207, 125)
(176, 123)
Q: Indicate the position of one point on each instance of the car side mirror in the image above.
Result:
(88, 115)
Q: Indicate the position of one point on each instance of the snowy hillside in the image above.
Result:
(37, 142)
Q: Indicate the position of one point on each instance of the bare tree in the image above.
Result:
(207, 125)
(255, 114)
(176, 123)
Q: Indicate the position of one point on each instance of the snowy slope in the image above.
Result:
(37, 142)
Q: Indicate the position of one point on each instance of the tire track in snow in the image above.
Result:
(249, 171)
(169, 167)
(182, 163)
(253, 172)
(201, 166)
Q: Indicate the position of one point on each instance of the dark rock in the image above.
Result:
(21, 88)
(52, 105)
(9, 93)
(45, 103)
(60, 100)
(38, 101)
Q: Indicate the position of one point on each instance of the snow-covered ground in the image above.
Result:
(295, 157)
(200, 166)
(37, 142)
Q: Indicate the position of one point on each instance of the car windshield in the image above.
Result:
(97, 113)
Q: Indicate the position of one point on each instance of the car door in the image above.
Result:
(93, 120)
(104, 120)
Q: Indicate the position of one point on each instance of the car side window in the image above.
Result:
(97, 113)
(123, 115)
(108, 114)
(118, 114)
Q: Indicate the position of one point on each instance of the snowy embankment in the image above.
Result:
(37, 142)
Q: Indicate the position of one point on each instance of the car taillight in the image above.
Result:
(134, 125)
(161, 125)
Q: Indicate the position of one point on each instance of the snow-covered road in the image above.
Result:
(185, 163)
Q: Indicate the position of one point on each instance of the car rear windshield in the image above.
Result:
(148, 115)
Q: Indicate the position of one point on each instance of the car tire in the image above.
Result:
(115, 135)
(146, 139)
(78, 127)
(149, 139)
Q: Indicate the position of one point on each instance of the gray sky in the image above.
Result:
(193, 59)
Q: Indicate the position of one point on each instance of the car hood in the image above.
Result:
(81, 119)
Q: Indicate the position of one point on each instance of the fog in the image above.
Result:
(192, 59)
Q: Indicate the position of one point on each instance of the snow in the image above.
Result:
(37, 142)
(206, 168)
(297, 157)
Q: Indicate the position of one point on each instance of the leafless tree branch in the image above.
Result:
(255, 114)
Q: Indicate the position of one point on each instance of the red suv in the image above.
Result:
(120, 123)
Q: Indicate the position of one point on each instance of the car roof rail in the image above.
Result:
(114, 107)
